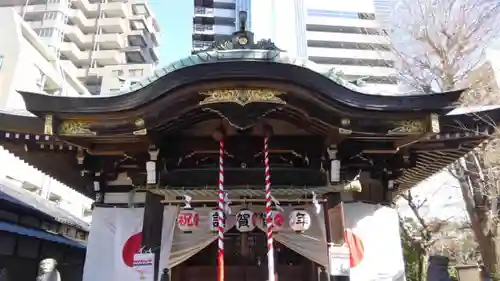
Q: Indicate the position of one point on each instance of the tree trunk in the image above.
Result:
(422, 265)
(488, 245)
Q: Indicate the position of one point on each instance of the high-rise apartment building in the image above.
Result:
(27, 64)
(103, 42)
(344, 35)
(215, 20)
(347, 37)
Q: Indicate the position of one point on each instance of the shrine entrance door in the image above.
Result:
(245, 260)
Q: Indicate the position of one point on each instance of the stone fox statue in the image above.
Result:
(47, 271)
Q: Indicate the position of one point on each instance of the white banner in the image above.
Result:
(115, 237)
(374, 242)
(372, 232)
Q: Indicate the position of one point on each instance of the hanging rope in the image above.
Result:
(220, 212)
(269, 219)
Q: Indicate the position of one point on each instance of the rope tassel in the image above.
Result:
(269, 219)
(220, 212)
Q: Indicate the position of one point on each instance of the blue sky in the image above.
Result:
(175, 18)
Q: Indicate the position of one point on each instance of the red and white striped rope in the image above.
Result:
(269, 219)
(220, 212)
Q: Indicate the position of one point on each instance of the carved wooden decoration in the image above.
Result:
(75, 128)
(403, 127)
(242, 97)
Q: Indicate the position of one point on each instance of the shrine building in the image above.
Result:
(323, 139)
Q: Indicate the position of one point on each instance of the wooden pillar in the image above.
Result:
(152, 227)
(334, 225)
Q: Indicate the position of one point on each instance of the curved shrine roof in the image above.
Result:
(241, 65)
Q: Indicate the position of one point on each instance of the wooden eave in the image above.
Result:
(56, 156)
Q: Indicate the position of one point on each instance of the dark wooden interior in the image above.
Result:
(245, 260)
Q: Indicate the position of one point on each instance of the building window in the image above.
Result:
(137, 72)
(341, 14)
(50, 15)
(140, 10)
(45, 32)
(137, 25)
(1, 61)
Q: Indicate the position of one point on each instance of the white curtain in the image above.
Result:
(310, 244)
(186, 245)
(375, 228)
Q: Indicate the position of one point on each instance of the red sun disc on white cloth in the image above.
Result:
(130, 248)
(356, 247)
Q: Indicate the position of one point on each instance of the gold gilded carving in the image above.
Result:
(75, 128)
(407, 127)
(48, 127)
(435, 127)
(139, 122)
(242, 97)
(141, 132)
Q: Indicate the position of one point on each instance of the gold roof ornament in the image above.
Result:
(242, 97)
(48, 126)
(407, 127)
(75, 128)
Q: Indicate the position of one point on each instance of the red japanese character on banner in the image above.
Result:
(277, 220)
(188, 220)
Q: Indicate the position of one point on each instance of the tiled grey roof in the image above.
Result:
(275, 56)
(42, 205)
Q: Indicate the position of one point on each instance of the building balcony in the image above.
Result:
(224, 13)
(201, 45)
(142, 38)
(69, 66)
(140, 8)
(212, 29)
(44, 24)
(86, 41)
(37, 8)
(203, 12)
(108, 25)
(135, 55)
(347, 37)
(318, 20)
(355, 70)
(350, 53)
(102, 57)
(203, 29)
(214, 12)
(111, 9)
